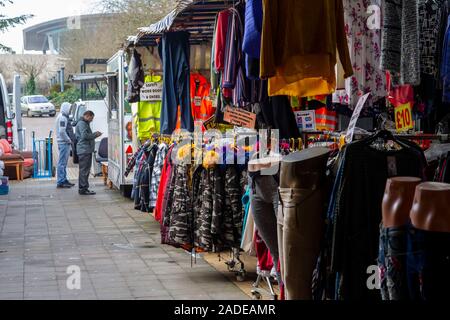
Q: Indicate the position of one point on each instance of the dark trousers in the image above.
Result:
(85, 164)
(174, 53)
(428, 265)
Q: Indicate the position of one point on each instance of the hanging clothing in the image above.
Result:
(431, 14)
(445, 67)
(149, 113)
(234, 83)
(181, 221)
(135, 77)
(359, 188)
(221, 40)
(298, 50)
(164, 181)
(157, 172)
(400, 41)
(251, 45)
(278, 114)
(201, 104)
(365, 53)
(174, 52)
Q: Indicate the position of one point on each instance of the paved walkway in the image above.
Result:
(43, 231)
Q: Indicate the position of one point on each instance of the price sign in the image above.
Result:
(306, 120)
(403, 117)
(152, 91)
(240, 117)
(355, 117)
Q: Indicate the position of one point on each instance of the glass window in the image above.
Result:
(37, 99)
(81, 110)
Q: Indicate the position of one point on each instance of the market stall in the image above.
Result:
(348, 116)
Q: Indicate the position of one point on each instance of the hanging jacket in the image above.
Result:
(135, 77)
(181, 220)
(157, 172)
(149, 113)
(163, 186)
(233, 213)
(202, 107)
(299, 50)
(204, 217)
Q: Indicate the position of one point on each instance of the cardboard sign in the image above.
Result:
(212, 124)
(403, 117)
(355, 117)
(306, 120)
(152, 91)
(240, 117)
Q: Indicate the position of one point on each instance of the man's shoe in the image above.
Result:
(70, 183)
(86, 192)
(64, 186)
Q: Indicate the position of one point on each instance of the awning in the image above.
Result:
(92, 77)
(195, 16)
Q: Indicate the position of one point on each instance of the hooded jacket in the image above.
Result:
(64, 129)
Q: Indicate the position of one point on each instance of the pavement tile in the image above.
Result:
(45, 230)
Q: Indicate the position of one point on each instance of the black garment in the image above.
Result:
(429, 265)
(136, 77)
(85, 164)
(278, 114)
(174, 53)
(142, 197)
(356, 211)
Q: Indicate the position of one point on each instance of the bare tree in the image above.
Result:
(31, 66)
(108, 35)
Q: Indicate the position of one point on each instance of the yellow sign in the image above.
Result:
(403, 117)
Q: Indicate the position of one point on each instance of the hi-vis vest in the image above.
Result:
(148, 118)
(201, 104)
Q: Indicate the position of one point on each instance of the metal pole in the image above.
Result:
(58, 76)
(20, 139)
(62, 79)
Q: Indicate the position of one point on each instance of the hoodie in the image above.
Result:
(64, 129)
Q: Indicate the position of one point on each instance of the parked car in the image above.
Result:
(37, 106)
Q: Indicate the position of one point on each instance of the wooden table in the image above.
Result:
(105, 172)
(18, 164)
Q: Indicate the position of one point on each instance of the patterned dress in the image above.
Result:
(365, 53)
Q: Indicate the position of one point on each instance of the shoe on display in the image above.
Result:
(86, 192)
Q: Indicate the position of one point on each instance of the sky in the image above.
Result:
(43, 10)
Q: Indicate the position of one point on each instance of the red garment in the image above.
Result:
(201, 104)
(165, 176)
(221, 39)
(401, 94)
(265, 261)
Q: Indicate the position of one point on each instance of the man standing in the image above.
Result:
(65, 138)
(85, 149)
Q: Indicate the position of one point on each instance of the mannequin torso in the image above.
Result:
(398, 200)
(431, 208)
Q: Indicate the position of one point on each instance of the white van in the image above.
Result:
(99, 108)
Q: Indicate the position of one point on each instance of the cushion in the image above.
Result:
(28, 162)
(5, 146)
